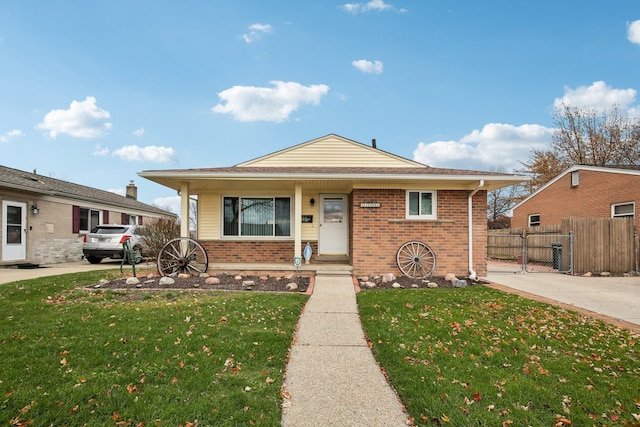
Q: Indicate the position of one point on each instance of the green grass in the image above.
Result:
(99, 357)
(478, 356)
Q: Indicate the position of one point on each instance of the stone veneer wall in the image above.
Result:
(376, 234)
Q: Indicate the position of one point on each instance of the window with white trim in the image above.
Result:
(534, 220)
(422, 204)
(575, 178)
(256, 216)
(621, 210)
(89, 218)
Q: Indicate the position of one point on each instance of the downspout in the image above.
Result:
(472, 273)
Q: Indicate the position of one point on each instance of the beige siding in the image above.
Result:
(310, 230)
(331, 151)
(209, 216)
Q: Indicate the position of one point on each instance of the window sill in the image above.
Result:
(435, 221)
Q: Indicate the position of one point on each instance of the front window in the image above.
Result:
(534, 220)
(622, 210)
(89, 218)
(257, 216)
(131, 219)
(421, 205)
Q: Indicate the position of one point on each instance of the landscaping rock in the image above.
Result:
(166, 281)
(605, 274)
(389, 277)
(248, 284)
(396, 285)
(415, 286)
(450, 277)
(292, 286)
(238, 277)
(212, 281)
(587, 274)
(369, 285)
(132, 281)
(459, 283)
(432, 285)
(204, 275)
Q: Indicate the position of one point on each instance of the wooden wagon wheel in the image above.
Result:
(182, 255)
(416, 260)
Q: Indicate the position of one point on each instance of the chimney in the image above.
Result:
(132, 191)
(373, 143)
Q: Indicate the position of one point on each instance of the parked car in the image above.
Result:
(105, 241)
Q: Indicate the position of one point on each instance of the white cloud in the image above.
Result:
(172, 203)
(9, 135)
(250, 104)
(83, 119)
(99, 151)
(496, 145)
(375, 67)
(598, 95)
(378, 5)
(150, 153)
(256, 31)
(139, 131)
(633, 32)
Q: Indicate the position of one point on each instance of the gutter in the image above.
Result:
(472, 273)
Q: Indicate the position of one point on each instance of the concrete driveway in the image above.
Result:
(14, 274)
(608, 297)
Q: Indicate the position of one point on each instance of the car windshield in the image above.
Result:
(109, 230)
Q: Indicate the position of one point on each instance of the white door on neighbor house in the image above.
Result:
(14, 231)
(333, 236)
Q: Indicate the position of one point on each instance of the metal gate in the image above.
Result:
(533, 253)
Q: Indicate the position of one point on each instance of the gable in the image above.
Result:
(332, 151)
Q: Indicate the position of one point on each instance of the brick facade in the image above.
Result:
(596, 192)
(376, 234)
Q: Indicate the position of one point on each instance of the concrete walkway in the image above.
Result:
(13, 274)
(613, 297)
(332, 378)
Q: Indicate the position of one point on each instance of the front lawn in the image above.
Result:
(169, 358)
(478, 356)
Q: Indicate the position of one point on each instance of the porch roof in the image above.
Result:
(328, 178)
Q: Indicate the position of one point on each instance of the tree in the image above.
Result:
(500, 202)
(585, 136)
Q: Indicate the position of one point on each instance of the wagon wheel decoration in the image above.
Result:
(182, 255)
(416, 260)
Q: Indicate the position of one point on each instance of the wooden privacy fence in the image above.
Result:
(599, 244)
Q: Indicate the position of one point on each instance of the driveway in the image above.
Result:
(14, 274)
(605, 297)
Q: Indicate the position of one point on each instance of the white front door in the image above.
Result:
(14, 231)
(334, 225)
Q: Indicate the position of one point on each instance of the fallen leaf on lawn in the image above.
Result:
(132, 388)
(446, 419)
(561, 421)
(285, 395)
(476, 396)
(63, 361)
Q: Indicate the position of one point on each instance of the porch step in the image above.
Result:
(319, 259)
(334, 270)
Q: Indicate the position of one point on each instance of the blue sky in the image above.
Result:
(93, 92)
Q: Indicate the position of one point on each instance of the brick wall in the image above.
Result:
(249, 251)
(593, 197)
(376, 234)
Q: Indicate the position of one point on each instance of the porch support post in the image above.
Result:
(184, 209)
(297, 221)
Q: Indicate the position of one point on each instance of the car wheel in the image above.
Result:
(94, 259)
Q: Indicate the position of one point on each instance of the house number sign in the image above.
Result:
(370, 205)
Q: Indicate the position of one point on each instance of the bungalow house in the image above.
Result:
(351, 202)
(582, 191)
(44, 219)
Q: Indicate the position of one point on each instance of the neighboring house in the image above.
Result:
(351, 202)
(582, 191)
(44, 219)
